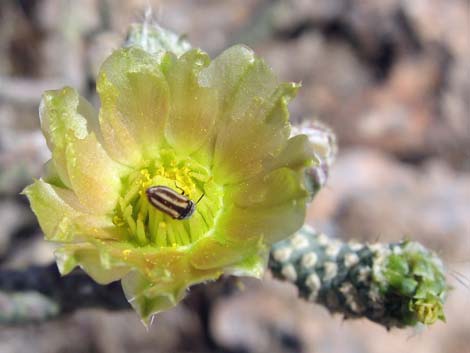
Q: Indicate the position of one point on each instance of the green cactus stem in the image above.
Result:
(395, 285)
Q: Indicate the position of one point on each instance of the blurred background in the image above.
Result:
(391, 77)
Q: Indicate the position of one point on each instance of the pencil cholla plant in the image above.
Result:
(215, 130)
(395, 285)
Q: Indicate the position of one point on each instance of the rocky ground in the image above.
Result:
(391, 77)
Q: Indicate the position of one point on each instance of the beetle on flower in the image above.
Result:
(217, 129)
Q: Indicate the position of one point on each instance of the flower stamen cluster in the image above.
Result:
(145, 224)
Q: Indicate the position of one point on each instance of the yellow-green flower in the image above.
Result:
(216, 130)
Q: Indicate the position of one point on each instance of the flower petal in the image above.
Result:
(135, 102)
(213, 252)
(226, 71)
(244, 143)
(103, 269)
(193, 108)
(268, 223)
(70, 125)
(297, 154)
(253, 118)
(273, 189)
(62, 217)
(94, 176)
(65, 116)
(51, 176)
(164, 286)
(145, 298)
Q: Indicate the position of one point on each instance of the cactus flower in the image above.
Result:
(215, 131)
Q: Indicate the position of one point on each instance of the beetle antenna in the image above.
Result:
(179, 188)
(200, 198)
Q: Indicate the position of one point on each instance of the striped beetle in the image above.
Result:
(168, 201)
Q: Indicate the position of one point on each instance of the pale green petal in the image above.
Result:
(71, 127)
(297, 154)
(62, 218)
(93, 175)
(253, 116)
(255, 83)
(50, 174)
(245, 143)
(150, 295)
(65, 116)
(193, 108)
(225, 73)
(216, 252)
(278, 187)
(135, 103)
(102, 268)
(145, 298)
(270, 224)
